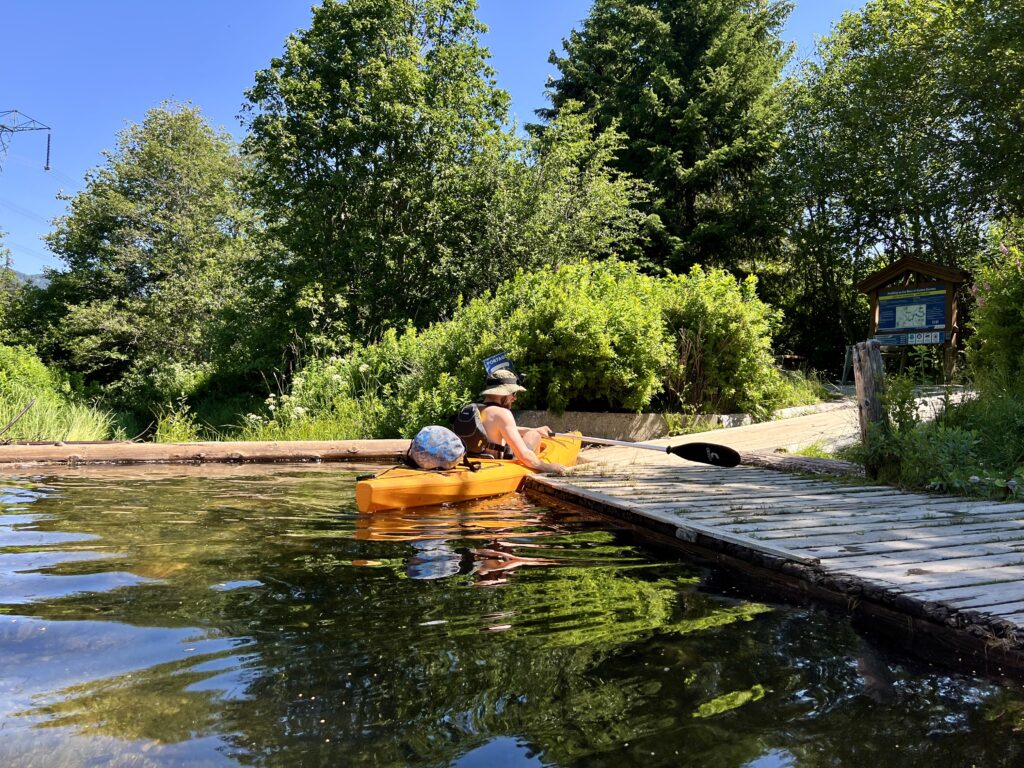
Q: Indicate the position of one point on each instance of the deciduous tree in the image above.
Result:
(152, 250)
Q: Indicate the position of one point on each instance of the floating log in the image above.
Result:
(269, 451)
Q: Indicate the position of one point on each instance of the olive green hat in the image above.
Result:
(503, 382)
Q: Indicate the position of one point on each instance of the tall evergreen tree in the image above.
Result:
(693, 85)
(8, 286)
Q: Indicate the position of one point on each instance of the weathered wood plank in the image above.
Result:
(935, 567)
(684, 528)
(915, 546)
(898, 531)
(946, 561)
(813, 532)
(972, 596)
(937, 582)
(921, 557)
(1000, 609)
(812, 543)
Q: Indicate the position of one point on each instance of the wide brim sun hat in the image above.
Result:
(501, 383)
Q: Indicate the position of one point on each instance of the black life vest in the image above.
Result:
(470, 429)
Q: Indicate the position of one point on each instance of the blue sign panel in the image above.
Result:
(913, 309)
(911, 339)
(496, 363)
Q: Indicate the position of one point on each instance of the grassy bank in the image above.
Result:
(53, 413)
(974, 447)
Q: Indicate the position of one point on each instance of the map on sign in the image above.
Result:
(913, 309)
(910, 316)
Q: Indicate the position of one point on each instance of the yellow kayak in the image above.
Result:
(401, 487)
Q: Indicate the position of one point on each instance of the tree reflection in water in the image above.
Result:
(259, 620)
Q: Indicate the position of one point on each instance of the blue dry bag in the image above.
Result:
(436, 448)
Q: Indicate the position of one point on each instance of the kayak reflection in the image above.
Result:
(483, 539)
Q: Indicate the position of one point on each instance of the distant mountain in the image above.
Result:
(37, 280)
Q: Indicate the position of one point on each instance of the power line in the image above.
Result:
(15, 208)
(12, 122)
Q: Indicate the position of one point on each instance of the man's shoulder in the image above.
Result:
(496, 412)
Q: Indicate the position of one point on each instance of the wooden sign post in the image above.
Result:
(869, 381)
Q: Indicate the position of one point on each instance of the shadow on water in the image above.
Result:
(252, 617)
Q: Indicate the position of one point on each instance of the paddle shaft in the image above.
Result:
(705, 453)
(623, 443)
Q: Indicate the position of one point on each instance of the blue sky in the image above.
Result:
(86, 69)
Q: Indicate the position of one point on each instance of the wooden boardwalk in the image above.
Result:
(944, 563)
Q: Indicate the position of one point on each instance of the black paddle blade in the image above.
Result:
(706, 453)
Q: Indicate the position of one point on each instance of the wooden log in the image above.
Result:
(868, 382)
(270, 451)
(802, 464)
(867, 375)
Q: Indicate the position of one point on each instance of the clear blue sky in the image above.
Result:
(86, 69)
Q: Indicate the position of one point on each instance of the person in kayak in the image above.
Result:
(489, 429)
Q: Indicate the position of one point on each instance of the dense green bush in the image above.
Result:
(722, 335)
(996, 350)
(53, 414)
(590, 335)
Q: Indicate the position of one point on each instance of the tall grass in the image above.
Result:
(53, 413)
(52, 418)
(799, 388)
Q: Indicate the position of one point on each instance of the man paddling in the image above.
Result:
(489, 429)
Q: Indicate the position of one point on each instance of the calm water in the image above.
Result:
(255, 619)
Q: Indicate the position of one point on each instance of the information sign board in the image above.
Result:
(912, 309)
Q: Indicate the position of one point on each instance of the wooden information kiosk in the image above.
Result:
(914, 302)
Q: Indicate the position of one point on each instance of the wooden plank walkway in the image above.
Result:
(953, 563)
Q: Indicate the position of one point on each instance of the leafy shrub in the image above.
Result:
(176, 423)
(722, 334)
(996, 350)
(21, 371)
(589, 335)
(973, 447)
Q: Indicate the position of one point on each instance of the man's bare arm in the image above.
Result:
(514, 438)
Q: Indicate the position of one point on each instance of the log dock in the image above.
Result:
(944, 576)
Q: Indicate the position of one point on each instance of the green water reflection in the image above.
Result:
(251, 617)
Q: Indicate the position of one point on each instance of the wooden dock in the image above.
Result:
(943, 574)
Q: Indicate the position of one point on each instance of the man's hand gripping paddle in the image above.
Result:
(705, 453)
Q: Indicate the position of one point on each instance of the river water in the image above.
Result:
(249, 616)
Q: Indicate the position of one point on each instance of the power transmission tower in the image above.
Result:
(12, 122)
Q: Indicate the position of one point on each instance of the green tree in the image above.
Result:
(8, 288)
(153, 248)
(692, 85)
(882, 158)
(563, 200)
(984, 72)
(880, 84)
(376, 138)
(996, 350)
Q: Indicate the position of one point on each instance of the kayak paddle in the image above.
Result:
(705, 453)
